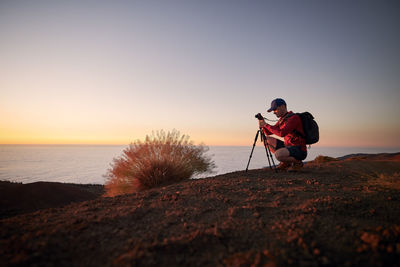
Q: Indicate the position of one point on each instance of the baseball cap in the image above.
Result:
(276, 103)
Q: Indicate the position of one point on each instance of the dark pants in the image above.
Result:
(295, 151)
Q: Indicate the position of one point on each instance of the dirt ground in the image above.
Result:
(333, 212)
(18, 198)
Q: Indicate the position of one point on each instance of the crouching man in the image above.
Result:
(293, 150)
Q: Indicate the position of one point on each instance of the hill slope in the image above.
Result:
(331, 213)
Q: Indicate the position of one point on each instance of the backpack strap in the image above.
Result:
(295, 131)
(287, 116)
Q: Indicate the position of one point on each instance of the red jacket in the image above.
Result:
(285, 128)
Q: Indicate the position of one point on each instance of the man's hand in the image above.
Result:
(261, 123)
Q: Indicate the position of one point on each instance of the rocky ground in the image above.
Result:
(333, 212)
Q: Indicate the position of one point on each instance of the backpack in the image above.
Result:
(310, 127)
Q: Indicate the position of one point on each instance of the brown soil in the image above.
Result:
(333, 212)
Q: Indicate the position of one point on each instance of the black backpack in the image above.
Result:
(310, 127)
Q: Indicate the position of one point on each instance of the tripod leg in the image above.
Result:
(270, 154)
(251, 154)
(268, 151)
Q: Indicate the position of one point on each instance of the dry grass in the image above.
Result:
(387, 180)
(323, 159)
(163, 158)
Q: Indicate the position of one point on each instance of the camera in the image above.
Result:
(259, 116)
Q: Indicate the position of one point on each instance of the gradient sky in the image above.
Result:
(110, 72)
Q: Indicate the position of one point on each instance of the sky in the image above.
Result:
(111, 72)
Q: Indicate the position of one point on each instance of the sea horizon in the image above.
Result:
(250, 144)
(88, 163)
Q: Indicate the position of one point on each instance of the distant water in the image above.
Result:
(88, 163)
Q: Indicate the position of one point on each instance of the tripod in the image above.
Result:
(267, 150)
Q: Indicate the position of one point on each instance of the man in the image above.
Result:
(293, 150)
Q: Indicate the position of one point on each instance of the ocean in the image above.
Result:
(87, 164)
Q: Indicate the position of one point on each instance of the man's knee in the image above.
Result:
(281, 154)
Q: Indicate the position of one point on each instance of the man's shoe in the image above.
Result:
(296, 166)
(283, 166)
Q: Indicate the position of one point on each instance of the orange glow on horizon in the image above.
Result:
(119, 135)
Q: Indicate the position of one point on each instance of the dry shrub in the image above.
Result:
(320, 161)
(163, 158)
(323, 159)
